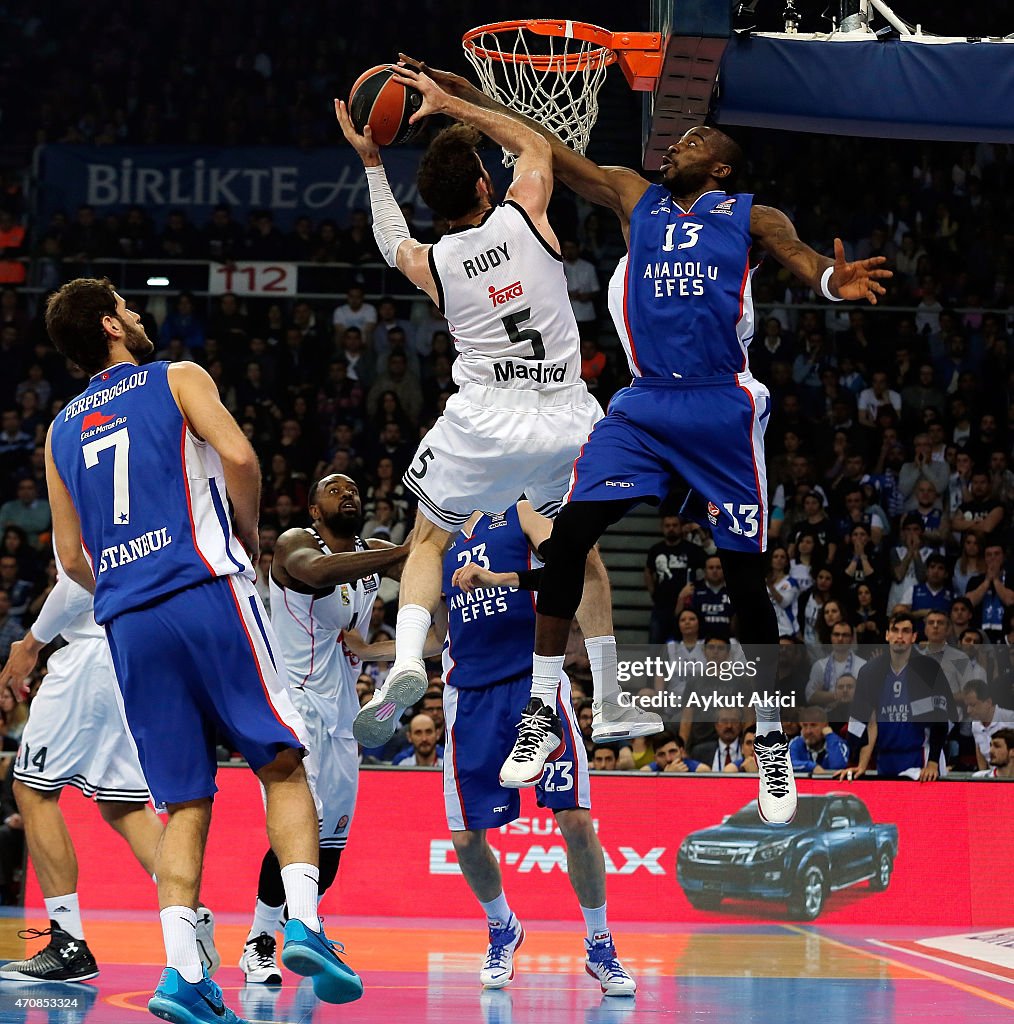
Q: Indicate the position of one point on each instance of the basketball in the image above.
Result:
(380, 101)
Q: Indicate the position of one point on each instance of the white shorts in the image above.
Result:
(76, 734)
(332, 768)
(493, 445)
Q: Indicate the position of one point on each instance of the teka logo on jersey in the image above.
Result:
(725, 206)
(538, 373)
(713, 513)
(511, 291)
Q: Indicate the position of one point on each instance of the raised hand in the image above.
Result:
(434, 98)
(858, 279)
(362, 142)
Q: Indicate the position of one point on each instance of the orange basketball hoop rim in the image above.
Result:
(639, 54)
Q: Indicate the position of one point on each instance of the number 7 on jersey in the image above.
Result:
(119, 441)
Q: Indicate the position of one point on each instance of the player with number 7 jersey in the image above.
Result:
(142, 467)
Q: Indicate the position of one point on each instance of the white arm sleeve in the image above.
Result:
(66, 601)
(389, 226)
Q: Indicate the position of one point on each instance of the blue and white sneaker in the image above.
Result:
(604, 966)
(314, 955)
(181, 1002)
(498, 967)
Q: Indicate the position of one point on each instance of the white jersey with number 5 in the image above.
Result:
(503, 291)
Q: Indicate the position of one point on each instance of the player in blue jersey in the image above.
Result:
(488, 616)
(904, 706)
(142, 468)
(694, 409)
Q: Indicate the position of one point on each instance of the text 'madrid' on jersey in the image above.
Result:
(150, 495)
(487, 630)
(686, 302)
(503, 291)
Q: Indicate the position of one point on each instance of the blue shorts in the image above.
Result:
(198, 663)
(481, 728)
(708, 431)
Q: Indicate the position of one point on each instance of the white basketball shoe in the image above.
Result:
(498, 967)
(612, 720)
(540, 739)
(377, 719)
(776, 801)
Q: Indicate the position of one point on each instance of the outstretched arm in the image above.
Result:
(617, 188)
(855, 280)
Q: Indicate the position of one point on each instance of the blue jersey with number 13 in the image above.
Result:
(149, 493)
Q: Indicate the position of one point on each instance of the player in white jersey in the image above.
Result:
(76, 736)
(323, 582)
(522, 412)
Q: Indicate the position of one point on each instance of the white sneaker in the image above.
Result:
(206, 940)
(604, 966)
(498, 967)
(540, 739)
(614, 721)
(404, 686)
(776, 801)
(258, 961)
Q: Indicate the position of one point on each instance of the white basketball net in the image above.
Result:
(528, 72)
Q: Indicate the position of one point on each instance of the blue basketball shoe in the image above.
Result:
(181, 1002)
(315, 956)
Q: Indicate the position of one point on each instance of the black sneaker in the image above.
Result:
(64, 959)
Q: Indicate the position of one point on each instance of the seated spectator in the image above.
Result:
(710, 598)
(384, 522)
(857, 513)
(783, 591)
(842, 660)
(27, 511)
(1001, 756)
(989, 592)
(962, 614)
(593, 365)
(818, 525)
(10, 627)
(386, 484)
(908, 564)
(183, 323)
(432, 704)
(811, 609)
(669, 756)
(358, 360)
(423, 749)
(669, 566)
(903, 706)
(875, 397)
(747, 761)
(987, 719)
(981, 513)
(817, 750)
(403, 383)
(922, 468)
(18, 590)
(229, 325)
(808, 559)
(952, 662)
(13, 716)
(933, 594)
(603, 759)
(840, 709)
(354, 312)
(970, 563)
(856, 557)
(865, 613)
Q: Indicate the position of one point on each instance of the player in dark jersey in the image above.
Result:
(141, 467)
(487, 618)
(694, 410)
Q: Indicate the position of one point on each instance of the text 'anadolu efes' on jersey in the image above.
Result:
(686, 308)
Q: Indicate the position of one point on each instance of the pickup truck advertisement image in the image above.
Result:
(832, 843)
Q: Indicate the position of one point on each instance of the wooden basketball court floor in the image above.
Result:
(426, 972)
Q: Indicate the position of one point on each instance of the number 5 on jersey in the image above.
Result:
(119, 441)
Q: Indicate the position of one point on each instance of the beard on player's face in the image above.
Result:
(684, 181)
(136, 342)
(344, 522)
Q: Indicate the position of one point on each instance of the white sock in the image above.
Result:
(179, 930)
(498, 913)
(265, 919)
(301, 884)
(546, 677)
(769, 718)
(602, 655)
(66, 912)
(410, 633)
(595, 922)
